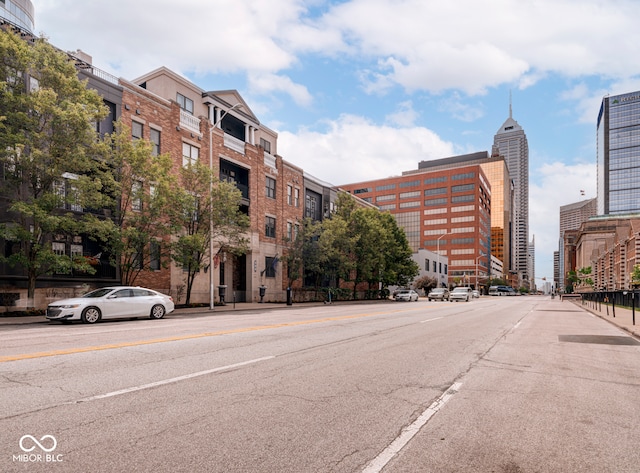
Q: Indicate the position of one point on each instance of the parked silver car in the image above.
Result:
(460, 294)
(438, 294)
(112, 302)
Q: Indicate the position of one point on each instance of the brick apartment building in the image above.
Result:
(446, 211)
(219, 128)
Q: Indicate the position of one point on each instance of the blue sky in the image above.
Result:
(365, 89)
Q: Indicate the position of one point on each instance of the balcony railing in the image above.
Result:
(234, 143)
(189, 122)
(270, 161)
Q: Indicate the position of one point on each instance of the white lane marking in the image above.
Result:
(378, 463)
(431, 320)
(172, 380)
(517, 325)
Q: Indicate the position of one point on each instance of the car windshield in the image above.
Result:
(460, 289)
(98, 292)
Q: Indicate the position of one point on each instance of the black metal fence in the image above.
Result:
(612, 299)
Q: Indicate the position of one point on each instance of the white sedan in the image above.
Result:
(111, 303)
(406, 295)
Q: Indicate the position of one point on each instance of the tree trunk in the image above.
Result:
(31, 291)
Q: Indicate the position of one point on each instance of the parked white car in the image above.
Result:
(406, 295)
(460, 294)
(110, 303)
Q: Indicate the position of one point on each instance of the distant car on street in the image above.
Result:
(110, 303)
(408, 295)
(475, 294)
(438, 294)
(460, 294)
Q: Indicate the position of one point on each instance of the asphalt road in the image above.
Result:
(522, 384)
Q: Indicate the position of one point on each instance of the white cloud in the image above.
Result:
(353, 149)
(472, 46)
(261, 84)
(404, 116)
(417, 45)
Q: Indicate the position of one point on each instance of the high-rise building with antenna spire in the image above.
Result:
(511, 142)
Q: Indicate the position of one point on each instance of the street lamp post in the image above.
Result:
(215, 125)
(438, 253)
(477, 270)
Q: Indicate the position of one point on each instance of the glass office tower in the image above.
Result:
(618, 148)
(18, 13)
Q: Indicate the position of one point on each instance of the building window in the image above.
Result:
(136, 130)
(290, 231)
(430, 202)
(463, 188)
(289, 195)
(270, 266)
(435, 191)
(463, 198)
(311, 207)
(67, 192)
(154, 137)
(461, 177)
(271, 187)
(270, 227)
(435, 180)
(385, 187)
(190, 154)
(185, 103)
(136, 196)
(137, 259)
(426, 264)
(364, 190)
(296, 197)
(266, 145)
(154, 256)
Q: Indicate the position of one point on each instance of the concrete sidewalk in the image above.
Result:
(618, 316)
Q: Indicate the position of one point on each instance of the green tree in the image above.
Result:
(426, 283)
(47, 144)
(584, 275)
(301, 251)
(635, 275)
(203, 215)
(571, 279)
(366, 245)
(143, 193)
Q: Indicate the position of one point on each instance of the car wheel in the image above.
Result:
(157, 311)
(91, 315)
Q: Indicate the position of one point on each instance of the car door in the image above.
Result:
(143, 300)
(120, 304)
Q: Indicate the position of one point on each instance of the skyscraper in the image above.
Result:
(618, 149)
(511, 142)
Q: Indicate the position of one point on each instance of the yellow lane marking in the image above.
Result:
(71, 351)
